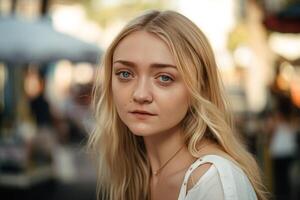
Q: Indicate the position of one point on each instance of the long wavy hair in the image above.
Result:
(123, 167)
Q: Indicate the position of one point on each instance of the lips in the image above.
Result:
(142, 112)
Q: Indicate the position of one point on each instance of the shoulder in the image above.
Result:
(227, 170)
(217, 177)
(197, 174)
(213, 157)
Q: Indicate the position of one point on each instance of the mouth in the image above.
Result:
(142, 113)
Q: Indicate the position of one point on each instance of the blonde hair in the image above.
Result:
(123, 168)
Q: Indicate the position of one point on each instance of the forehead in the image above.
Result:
(143, 47)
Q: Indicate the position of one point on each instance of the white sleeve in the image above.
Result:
(209, 187)
(223, 181)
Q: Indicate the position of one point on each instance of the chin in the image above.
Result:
(142, 131)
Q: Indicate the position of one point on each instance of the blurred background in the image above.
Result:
(49, 51)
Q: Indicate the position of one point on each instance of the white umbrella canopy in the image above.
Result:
(23, 42)
(26, 42)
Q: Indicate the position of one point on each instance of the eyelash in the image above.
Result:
(170, 79)
(122, 72)
(166, 76)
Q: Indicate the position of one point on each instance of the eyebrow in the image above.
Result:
(153, 65)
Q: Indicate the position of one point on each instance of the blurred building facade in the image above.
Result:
(45, 115)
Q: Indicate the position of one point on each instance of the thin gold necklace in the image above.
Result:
(156, 172)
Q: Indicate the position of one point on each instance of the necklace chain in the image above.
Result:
(156, 172)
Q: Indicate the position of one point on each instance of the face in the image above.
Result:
(148, 91)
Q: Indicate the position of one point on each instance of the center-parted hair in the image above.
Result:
(123, 167)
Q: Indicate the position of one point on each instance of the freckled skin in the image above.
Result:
(160, 91)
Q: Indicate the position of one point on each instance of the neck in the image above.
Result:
(161, 147)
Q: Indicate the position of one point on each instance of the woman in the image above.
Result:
(163, 129)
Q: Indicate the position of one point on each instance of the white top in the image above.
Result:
(283, 142)
(223, 181)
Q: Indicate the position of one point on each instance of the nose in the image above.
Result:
(142, 93)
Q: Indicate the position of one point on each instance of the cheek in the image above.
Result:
(175, 106)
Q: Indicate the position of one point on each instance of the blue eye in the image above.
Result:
(124, 74)
(165, 78)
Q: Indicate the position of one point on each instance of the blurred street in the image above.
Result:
(50, 51)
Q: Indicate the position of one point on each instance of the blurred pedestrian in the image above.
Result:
(283, 148)
(35, 89)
